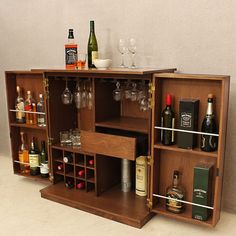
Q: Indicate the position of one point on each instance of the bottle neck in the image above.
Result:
(22, 141)
(91, 26)
(175, 181)
(210, 107)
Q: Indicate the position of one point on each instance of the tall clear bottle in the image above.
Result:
(168, 121)
(92, 46)
(34, 158)
(209, 143)
(30, 108)
(23, 155)
(71, 49)
(40, 108)
(19, 106)
(44, 171)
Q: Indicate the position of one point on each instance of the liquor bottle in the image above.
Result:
(40, 108)
(30, 106)
(34, 158)
(44, 171)
(168, 121)
(141, 176)
(69, 183)
(80, 185)
(19, 106)
(92, 46)
(209, 143)
(23, 155)
(71, 51)
(81, 173)
(177, 192)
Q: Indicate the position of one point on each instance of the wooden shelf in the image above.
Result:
(28, 126)
(80, 178)
(196, 151)
(70, 174)
(185, 216)
(91, 180)
(70, 149)
(59, 160)
(126, 123)
(91, 167)
(59, 173)
(34, 177)
(80, 164)
(114, 204)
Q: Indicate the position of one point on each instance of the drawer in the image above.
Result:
(109, 145)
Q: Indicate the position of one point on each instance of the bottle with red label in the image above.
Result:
(168, 121)
(80, 185)
(81, 173)
(71, 51)
(30, 108)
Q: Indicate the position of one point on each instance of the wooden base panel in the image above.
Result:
(127, 208)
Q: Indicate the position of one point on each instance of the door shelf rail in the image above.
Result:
(32, 112)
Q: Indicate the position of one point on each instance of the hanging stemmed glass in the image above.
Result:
(134, 92)
(84, 96)
(122, 47)
(127, 90)
(66, 96)
(90, 96)
(77, 96)
(117, 93)
(141, 90)
(132, 49)
(144, 104)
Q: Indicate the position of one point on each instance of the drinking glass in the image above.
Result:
(66, 96)
(84, 96)
(132, 49)
(81, 61)
(75, 138)
(134, 92)
(90, 96)
(117, 93)
(122, 47)
(77, 96)
(65, 138)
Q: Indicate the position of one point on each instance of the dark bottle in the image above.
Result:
(81, 173)
(60, 167)
(209, 143)
(44, 171)
(168, 121)
(69, 183)
(68, 158)
(176, 192)
(34, 158)
(92, 46)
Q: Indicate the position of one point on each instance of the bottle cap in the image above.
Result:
(28, 92)
(168, 99)
(40, 95)
(17, 88)
(210, 95)
(176, 172)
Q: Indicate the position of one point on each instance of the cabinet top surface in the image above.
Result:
(124, 71)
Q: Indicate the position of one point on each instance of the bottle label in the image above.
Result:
(20, 114)
(141, 180)
(21, 157)
(34, 160)
(186, 120)
(44, 168)
(41, 120)
(94, 56)
(172, 204)
(71, 54)
(173, 132)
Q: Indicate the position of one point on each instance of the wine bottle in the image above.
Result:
(68, 158)
(34, 158)
(19, 106)
(209, 143)
(92, 46)
(40, 108)
(80, 185)
(30, 107)
(168, 121)
(23, 155)
(44, 171)
(91, 162)
(69, 183)
(60, 167)
(71, 51)
(81, 173)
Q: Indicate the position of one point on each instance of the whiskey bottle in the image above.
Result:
(209, 143)
(44, 171)
(175, 191)
(34, 158)
(40, 108)
(71, 51)
(168, 121)
(92, 46)
(19, 106)
(30, 108)
(23, 155)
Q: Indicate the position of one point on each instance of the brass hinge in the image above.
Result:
(46, 88)
(150, 160)
(151, 88)
(49, 141)
(149, 203)
(151, 96)
(51, 177)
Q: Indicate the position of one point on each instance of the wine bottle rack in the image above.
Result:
(69, 171)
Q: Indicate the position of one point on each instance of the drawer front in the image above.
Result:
(107, 144)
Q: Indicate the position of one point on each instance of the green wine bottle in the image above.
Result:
(34, 158)
(44, 161)
(92, 46)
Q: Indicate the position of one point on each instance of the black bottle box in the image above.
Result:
(188, 120)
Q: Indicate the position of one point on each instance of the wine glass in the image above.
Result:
(66, 96)
(77, 96)
(132, 49)
(117, 93)
(84, 96)
(134, 92)
(127, 90)
(122, 47)
(90, 96)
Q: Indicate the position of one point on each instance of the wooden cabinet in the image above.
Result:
(115, 130)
